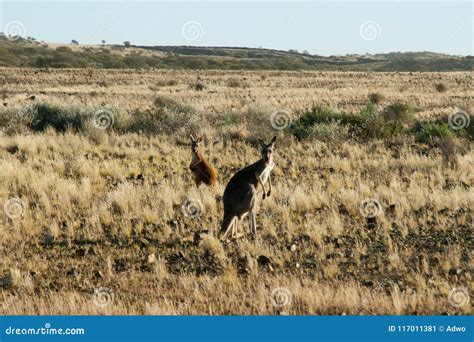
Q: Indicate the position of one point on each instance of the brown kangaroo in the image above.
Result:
(241, 191)
(202, 170)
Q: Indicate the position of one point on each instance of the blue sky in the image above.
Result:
(321, 27)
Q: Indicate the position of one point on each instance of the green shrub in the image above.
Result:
(367, 124)
(45, 115)
(148, 122)
(369, 111)
(398, 111)
(304, 126)
(428, 132)
(40, 117)
(169, 116)
(388, 130)
(15, 121)
(462, 123)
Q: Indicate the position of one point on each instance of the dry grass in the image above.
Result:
(97, 209)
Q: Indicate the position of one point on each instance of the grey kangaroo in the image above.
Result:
(241, 191)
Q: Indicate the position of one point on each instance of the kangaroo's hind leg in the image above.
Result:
(235, 227)
(253, 224)
(227, 226)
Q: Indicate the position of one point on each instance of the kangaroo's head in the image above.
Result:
(267, 149)
(195, 144)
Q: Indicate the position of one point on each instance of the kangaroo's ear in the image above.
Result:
(273, 140)
(262, 144)
(192, 138)
(199, 140)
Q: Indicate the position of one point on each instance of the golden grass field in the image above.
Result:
(93, 221)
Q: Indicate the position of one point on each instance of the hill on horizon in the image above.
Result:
(19, 52)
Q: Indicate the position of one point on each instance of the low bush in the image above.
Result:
(461, 123)
(237, 83)
(366, 124)
(428, 132)
(441, 87)
(169, 116)
(45, 115)
(304, 126)
(398, 111)
(376, 98)
(42, 116)
(13, 121)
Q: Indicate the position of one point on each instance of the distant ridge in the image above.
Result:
(31, 53)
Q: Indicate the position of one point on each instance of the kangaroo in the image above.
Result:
(241, 191)
(200, 167)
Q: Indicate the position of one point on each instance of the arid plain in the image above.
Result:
(93, 220)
